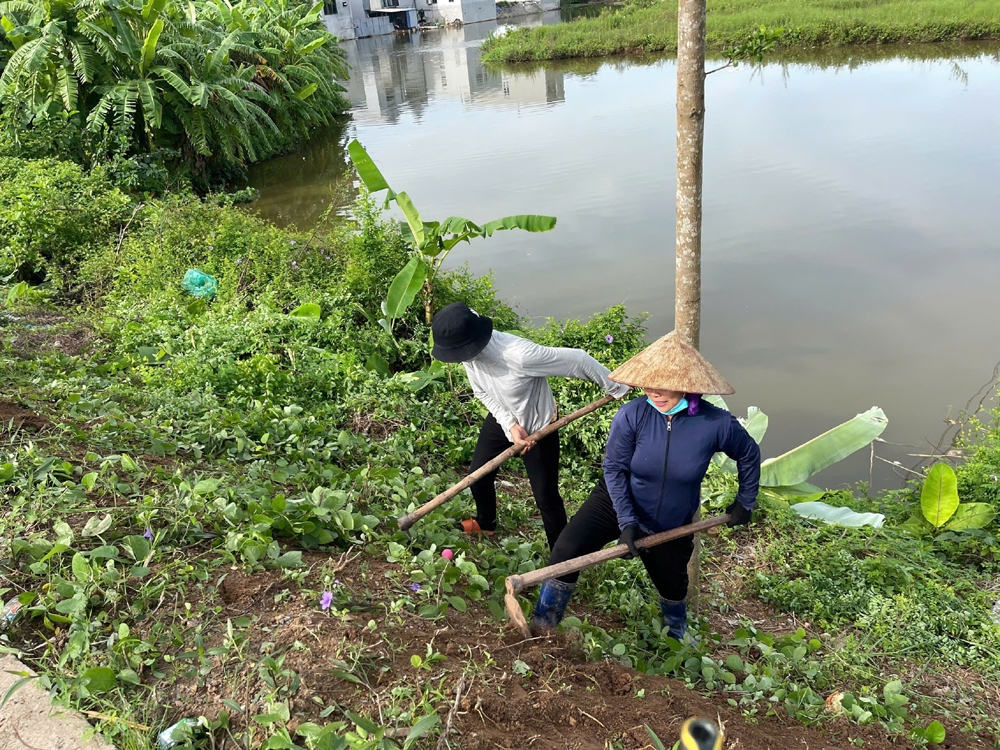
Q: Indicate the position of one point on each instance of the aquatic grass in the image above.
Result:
(643, 28)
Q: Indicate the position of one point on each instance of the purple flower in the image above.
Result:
(148, 534)
(211, 247)
(609, 338)
(414, 587)
(291, 242)
(294, 264)
(325, 601)
(336, 581)
(239, 260)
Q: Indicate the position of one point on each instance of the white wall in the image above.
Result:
(443, 11)
(547, 5)
(466, 11)
(474, 11)
(357, 8)
(340, 24)
(373, 26)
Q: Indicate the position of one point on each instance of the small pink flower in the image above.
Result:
(325, 601)
(447, 554)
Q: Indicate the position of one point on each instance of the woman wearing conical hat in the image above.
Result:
(658, 453)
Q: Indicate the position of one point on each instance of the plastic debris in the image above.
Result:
(200, 284)
(177, 734)
(11, 611)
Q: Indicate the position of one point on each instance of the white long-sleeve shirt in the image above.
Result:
(509, 377)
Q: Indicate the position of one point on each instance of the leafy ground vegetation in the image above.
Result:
(199, 519)
(643, 26)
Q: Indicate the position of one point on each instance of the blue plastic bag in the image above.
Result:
(200, 284)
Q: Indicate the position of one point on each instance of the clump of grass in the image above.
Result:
(644, 27)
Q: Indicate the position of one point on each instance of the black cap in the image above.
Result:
(460, 333)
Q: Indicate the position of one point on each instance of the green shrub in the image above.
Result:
(979, 476)
(901, 596)
(246, 81)
(54, 216)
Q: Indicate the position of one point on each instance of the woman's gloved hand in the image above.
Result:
(739, 516)
(629, 534)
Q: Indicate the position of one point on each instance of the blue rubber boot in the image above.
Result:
(551, 605)
(674, 617)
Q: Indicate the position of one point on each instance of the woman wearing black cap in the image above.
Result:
(508, 375)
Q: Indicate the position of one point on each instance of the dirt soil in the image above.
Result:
(562, 702)
(33, 332)
(21, 417)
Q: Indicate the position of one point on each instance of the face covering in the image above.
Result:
(679, 407)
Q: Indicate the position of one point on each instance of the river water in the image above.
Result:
(851, 249)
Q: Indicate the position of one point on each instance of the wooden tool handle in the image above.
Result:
(411, 518)
(515, 584)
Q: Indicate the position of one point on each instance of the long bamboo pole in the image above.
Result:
(517, 583)
(411, 518)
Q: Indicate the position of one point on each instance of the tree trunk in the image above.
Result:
(690, 152)
(428, 301)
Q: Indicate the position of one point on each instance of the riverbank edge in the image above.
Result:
(651, 30)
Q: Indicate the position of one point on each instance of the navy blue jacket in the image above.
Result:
(654, 464)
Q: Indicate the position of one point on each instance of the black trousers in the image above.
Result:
(596, 524)
(542, 465)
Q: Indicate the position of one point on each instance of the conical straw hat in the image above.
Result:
(674, 365)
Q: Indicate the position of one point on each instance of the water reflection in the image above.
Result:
(399, 75)
(851, 252)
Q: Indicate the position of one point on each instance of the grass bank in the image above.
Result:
(200, 498)
(644, 27)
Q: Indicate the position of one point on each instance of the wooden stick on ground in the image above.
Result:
(411, 518)
(451, 714)
(516, 584)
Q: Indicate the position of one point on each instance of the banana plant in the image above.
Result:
(235, 82)
(941, 510)
(787, 474)
(51, 59)
(432, 241)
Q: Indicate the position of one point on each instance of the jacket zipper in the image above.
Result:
(663, 474)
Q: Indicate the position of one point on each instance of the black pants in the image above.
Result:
(596, 524)
(542, 465)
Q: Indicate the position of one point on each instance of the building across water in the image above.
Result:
(357, 19)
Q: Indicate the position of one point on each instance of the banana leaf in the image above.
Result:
(939, 495)
(405, 287)
(838, 516)
(971, 516)
(798, 464)
(367, 171)
(801, 491)
(756, 426)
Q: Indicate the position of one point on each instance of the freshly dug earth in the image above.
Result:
(18, 416)
(561, 701)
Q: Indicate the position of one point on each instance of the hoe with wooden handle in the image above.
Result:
(516, 584)
(411, 518)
